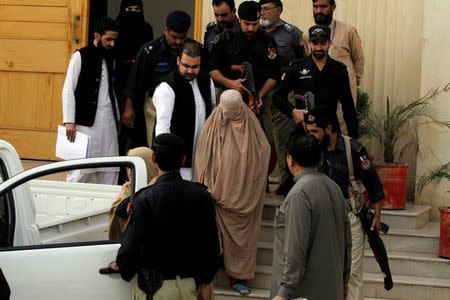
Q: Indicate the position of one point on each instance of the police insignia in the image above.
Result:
(272, 53)
(304, 71)
(365, 163)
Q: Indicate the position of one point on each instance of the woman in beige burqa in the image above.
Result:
(118, 222)
(232, 160)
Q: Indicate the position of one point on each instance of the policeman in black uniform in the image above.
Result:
(172, 231)
(153, 61)
(225, 14)
(317, 80)
(250, 44)
(324, 126)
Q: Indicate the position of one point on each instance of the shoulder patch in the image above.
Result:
(366, 163)
(288, 27)
(272, 53)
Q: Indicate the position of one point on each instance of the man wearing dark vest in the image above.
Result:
(183, 100)
(89, 104)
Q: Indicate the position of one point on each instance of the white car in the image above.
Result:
(53, 238)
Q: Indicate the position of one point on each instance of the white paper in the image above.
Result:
(67, 150)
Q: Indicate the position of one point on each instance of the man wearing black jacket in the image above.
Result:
(172, 230)
(317, 80)
(153, 61)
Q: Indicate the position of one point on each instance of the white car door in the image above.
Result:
(66, 271)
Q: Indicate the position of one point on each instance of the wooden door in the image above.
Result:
(37, 38)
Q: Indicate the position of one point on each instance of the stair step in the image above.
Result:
(423, 240)
(413, 217)
(410, 264)
(271, 202)
(226, 293)
(407, 287)
(261, 280)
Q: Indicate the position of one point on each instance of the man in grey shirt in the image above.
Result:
(312, 246)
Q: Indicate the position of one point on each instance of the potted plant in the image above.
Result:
(396, 130)
(435, 176)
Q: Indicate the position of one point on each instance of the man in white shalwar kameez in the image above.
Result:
(183, 102)
(89, 103)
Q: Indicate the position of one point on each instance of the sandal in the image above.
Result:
(241, 288)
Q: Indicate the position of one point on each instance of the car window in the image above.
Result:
(65, 212)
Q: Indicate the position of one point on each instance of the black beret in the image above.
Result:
(277, 3)
(249, 10)
(178, 21)
(319, 33)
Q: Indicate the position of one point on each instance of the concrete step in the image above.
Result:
(407, 287)
(261, 280)
(226, 293)
(413, 217)
(410, 264)
(422, 240)
(270, 204)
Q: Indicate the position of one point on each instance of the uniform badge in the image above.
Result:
(148, 49)
(272, 53)
(304, 72)
(216, 39)
(288, 27)
(366, 164)
(311, 119)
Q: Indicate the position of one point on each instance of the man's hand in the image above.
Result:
(278, 298)
(298, 115)
(238, 85)
(376, 223)
(71, 130)
(128, 114)
(203, 291)
(345, 291)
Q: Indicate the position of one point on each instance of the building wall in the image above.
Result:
(392, 33)
(435, 71)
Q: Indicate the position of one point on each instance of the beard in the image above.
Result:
(319, 54)
(190, 77)
(322, 19)
(324, 143)
(265, 23)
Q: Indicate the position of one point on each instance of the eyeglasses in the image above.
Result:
(265, 8)
(189, 67)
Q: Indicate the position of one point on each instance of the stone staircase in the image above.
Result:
(412, 244)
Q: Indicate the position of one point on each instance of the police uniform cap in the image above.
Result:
(277, 3)
(249, 11)
(319, 33)
(178, 21)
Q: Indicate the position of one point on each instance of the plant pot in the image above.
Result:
(444, 237)
(394, 178)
